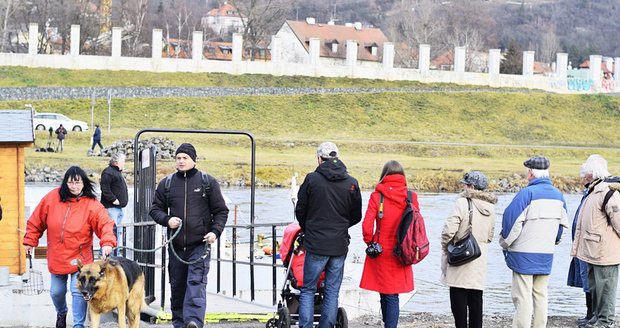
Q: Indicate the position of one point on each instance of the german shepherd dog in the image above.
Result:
(113, 283)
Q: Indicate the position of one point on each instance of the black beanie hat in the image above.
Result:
(187, 148)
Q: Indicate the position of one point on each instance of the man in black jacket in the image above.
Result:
(329, 202)
(199, 204)
(114, 195)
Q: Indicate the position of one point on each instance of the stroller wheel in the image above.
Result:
(271, 323)
(284, 318)
(341, 319)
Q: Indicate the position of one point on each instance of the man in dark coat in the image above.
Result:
(114, 195)
(61, 132)
(200, 206)
(329, 202)
(97, 139)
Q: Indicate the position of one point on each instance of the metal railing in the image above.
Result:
(220, 259)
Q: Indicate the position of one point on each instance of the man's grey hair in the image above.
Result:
(117, 157)
(597, 166)
(582, 170)
(540, 173)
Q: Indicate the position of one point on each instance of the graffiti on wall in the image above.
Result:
(589, 85)
(608, 84)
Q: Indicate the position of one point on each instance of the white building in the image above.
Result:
(223, 20)
(295, 42)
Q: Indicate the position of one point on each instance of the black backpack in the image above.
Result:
(206, 186)
(609, 193)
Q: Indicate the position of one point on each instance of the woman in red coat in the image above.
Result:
(70, 214)
(384, 273)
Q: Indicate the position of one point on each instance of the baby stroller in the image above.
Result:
(292, 254)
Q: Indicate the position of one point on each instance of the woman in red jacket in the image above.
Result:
(70, 214)
(384, 273)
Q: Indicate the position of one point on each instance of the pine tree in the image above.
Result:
(513, 60)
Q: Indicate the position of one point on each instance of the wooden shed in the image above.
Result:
(16, 133)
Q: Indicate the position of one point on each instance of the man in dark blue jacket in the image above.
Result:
(329, 202)
(199, 204)
(97, 139)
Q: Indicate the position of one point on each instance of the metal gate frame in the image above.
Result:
(145, 184)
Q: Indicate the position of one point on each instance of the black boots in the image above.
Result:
(589, 314)
(583, 321)
(61, 320)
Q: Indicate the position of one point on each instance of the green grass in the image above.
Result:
(44, 77)
(370, 128)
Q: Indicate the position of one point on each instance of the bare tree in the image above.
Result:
(38, 11)
(414, 23)
(549, 46)
(177, 16)
(7, 5)
(62, 15)
(410, 24)
(261, 19)
(464, 23)
(133, 15)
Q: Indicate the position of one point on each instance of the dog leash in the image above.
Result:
(206, 254)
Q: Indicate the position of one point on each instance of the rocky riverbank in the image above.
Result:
(512, 184)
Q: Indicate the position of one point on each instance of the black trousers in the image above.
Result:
(461, 300)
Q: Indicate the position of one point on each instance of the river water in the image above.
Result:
(274, 205)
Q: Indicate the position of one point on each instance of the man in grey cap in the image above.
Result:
(531, 227)
(329, 202)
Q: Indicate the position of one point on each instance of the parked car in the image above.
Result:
(43, 121)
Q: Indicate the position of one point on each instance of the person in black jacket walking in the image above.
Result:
(114, 195)
(329, 202)
(201, 207)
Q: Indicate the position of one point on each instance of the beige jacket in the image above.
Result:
(597, 236)
(473, 274)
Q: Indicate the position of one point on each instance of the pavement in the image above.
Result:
(28, 304)
(23, 309)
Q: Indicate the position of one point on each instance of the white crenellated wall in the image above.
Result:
(285, 63)
(388, 55)
(424, 58)
(75, 40)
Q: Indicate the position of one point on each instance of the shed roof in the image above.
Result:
(16, 126)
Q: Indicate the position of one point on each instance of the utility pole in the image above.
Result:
(109, 109)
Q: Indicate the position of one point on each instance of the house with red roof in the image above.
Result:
(607, 65)
(295, 41)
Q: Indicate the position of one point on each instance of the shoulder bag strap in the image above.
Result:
(471, 212)
(379, 217)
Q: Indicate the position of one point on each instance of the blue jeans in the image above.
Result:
(389, 310)
(116, 214)
(334, 270)
(58, 291)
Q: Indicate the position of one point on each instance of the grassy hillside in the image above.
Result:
(39, 77)
(437, 136)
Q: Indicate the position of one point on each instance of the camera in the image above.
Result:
(373, 250)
